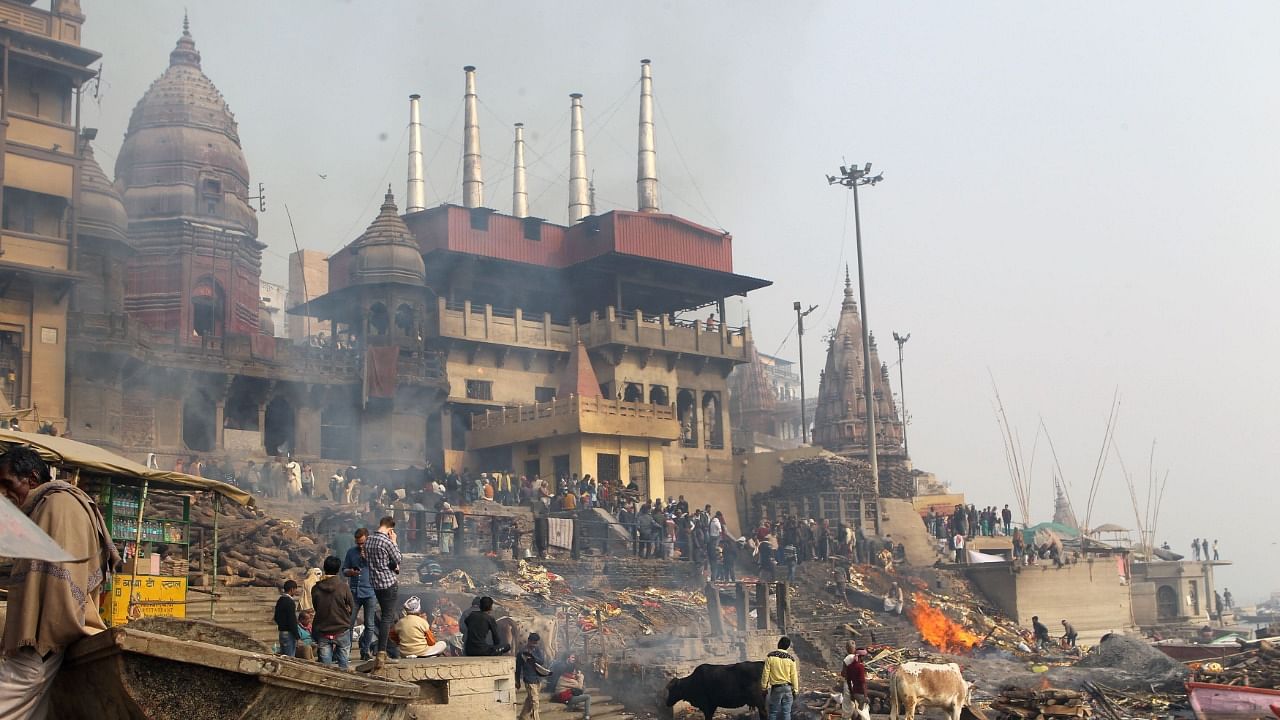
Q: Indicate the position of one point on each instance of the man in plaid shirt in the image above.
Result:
(383, 556)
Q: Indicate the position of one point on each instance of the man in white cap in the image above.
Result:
(414, 631)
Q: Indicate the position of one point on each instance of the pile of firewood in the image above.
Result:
(1019, 704)
(828, 473)
(265, 552)
(1257, 666)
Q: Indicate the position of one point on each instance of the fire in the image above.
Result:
(939, 630)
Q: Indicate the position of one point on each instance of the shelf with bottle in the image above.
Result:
(154, 531)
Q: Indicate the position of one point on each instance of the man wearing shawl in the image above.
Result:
(51, 605)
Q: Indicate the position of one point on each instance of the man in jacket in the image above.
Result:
(780, 680)
(334, 606)
(286, 618)
(356, 570)
(530, 670)
(482, 632)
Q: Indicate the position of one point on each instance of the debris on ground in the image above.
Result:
(1019, 704)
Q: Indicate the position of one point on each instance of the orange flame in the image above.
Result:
(939, 630)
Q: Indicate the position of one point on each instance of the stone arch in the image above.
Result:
(658, 395)
(1166, 603)
(278, 426)
(406, 320)
(198, 414)
(687, 414)
(379, 319)
(208, 307)
(712, 427)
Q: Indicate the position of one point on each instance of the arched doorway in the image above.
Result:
(1166, 603)
(658, 395)
(198, 413)
(379, 320)
(633, 392)
(406, 321)
(278, 430)
(208, 308)
(711, 420)
(687, 414)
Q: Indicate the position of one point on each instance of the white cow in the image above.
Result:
(917, 683)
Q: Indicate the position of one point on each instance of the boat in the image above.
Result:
(124, 673)
(1211, 701)
(1185, 652)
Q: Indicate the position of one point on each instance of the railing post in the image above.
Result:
(519, 320)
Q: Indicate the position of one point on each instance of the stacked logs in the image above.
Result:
(1020, 704)
(253, 549)
(264, 552)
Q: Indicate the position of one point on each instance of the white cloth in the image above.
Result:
(25, 680)
(560, 533)
(716, 528)
(432, 651)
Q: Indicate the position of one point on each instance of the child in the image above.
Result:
(306, 643)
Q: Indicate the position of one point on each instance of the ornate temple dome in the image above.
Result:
(101, 208)
(387, 252)
(181, 154)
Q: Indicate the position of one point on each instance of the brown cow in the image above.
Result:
(917, 683)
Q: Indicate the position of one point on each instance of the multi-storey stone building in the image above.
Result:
(42, 71)
(562, 344)
(457, 335)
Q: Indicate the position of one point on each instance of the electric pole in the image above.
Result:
(852, 177)
(902, 388)
(804, 420)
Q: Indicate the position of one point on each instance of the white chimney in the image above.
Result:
(579, 193)
(519, 191)
(472, 181)
(647, 171)
(416, 197)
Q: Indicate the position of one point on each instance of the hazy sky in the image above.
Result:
(1078, 197)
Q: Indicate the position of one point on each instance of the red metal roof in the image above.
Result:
(484, 233)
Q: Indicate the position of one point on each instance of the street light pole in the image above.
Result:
(902, 388)
(804, 420)
(852, 177)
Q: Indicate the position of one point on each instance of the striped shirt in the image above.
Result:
(382, 555)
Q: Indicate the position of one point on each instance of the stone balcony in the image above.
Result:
(256, 356)
(572, 416)
(486, 324)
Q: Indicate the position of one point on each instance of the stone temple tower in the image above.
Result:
(185, 185)
(840, 419)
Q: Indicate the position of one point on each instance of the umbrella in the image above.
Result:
(21, 538)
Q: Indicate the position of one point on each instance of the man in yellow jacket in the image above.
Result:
(780, 680)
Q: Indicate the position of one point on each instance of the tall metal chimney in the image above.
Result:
(647, 171)
(579, 193)
(472, 181)
(416, 197)
(519, 191)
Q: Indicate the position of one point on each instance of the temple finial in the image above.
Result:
(186, 23)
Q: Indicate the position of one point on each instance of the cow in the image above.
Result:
(720, 686)
(515, 631)
(917, 683)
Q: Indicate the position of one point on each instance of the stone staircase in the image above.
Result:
(248, 609)
(603, 707)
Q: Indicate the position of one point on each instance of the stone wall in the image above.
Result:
(458, 688)
(1091, 595)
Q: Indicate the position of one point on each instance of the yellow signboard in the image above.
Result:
(152, 596)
